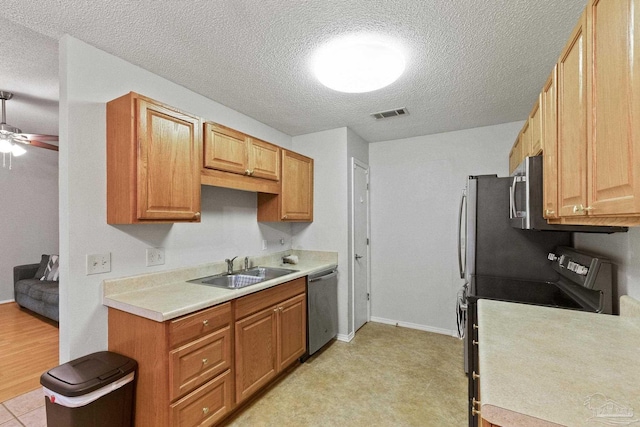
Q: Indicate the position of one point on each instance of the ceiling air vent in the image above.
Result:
(390, 113)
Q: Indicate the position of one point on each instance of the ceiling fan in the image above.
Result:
(10, 134)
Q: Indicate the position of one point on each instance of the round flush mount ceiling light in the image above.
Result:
(358, 63)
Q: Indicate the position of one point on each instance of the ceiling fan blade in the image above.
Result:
(37, 140)
(35, 136)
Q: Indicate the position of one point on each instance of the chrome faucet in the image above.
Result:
(246, 263)
(230, 264)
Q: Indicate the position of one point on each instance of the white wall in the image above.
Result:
(88, 79)
(28, 212)
(624, 251)
(329, 231)
(416, 185)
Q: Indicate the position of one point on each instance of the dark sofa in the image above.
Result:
(40, 296)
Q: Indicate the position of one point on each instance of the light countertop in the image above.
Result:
(542, 366)
(166, 295)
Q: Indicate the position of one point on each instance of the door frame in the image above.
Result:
(357, 163)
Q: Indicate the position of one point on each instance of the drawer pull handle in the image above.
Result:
(205, 361)
(205, 410)
(205, 322)
(474, 375)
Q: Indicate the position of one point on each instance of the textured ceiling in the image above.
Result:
(469, 62)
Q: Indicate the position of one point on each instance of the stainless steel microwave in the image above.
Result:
(526, 202)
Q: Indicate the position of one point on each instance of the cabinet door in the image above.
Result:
(514, 155)
(225, 149)
(549, 141)
(264, 159)
(292, 331)
(167, 167)
(525, 143)
(256, 352)
(535, 130)
(572, 126)
(297, 187)
(614, 107)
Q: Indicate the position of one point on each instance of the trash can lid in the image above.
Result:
(88, 373)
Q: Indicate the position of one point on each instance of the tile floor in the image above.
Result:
(26, 410)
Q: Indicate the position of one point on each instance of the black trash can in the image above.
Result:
(96, 390)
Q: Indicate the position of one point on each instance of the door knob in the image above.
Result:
(358, 256)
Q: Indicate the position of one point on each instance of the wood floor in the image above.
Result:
(28, 347)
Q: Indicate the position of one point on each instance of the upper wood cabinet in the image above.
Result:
(295, 201)
(153, 153)
(613, 106)
(548, 101)
(515, 156)
(233, 159)
(572, 123)
(535, 130)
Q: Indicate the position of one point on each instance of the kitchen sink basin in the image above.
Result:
(243, 278)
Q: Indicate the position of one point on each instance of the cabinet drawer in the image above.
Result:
(195, 325)
(272, 296)
(206, 405)
(197, 362)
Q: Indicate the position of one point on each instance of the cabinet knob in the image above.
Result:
(205, 361)
(285, 217)
(205, 322)
(475, 412)
(205, 410)
(247, 172)
(251, 172)
(475, 326)
(196, 215)
(275, 310)
(474, 342)
(474, 375)
(549, 212)
(475, 402)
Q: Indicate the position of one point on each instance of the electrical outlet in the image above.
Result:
(98, 263)
(264, 245)
(155, 256)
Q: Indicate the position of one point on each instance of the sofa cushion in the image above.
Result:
(43, 266)
(51, 272)
(46, 291)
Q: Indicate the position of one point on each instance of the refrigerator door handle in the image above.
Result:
(461, 263)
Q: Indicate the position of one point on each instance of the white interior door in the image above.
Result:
(360, 245)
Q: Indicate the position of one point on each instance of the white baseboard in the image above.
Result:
(414, 326)
(6, 301)
(345, 338)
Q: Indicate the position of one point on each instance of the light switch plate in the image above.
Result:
(155, 256)
(98, 263)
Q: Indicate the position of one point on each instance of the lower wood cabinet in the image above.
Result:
(185, 366)
(194, 370)
(270, 335)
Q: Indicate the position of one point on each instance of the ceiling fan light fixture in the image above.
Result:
(358, 63)
(5, 145)
(17, 150)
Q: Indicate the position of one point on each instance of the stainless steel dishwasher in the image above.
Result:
(322, 309)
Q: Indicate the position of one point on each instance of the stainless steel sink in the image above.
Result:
(243, 278)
